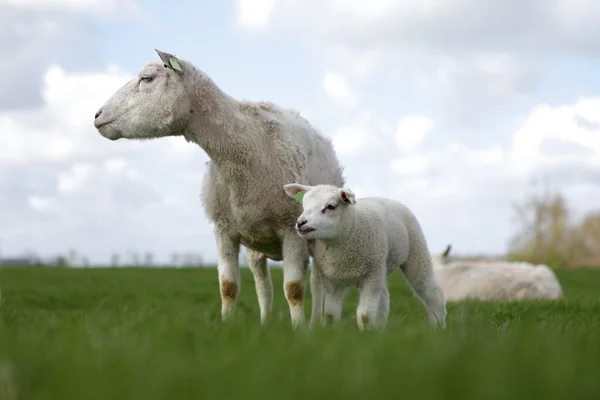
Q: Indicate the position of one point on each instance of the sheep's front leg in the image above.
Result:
(229, 272)
(262, 282)
(369, 301)
(295, 265)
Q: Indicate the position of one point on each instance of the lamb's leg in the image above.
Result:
(384, 308)
(334, 299)
(262, 282)
(369, 300)
(229, 272)
(295, 265)
(317, 294)
(418, 271)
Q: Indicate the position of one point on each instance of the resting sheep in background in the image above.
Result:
(494, 280)
(254, 148)
(358, 243)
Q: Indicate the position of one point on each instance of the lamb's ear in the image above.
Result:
(447, 251)
(347, 196)
(170, 61)
(296, 191)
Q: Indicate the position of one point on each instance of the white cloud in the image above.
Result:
(70, 187)
(362, 137)
(53, 132)
(337, 89)
(411, 130)
(549, 138)
(83, 6)
(436, 24)
(466, 66)
(462, 193)
(254, 14)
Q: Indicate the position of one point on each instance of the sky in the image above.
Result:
(456, 108)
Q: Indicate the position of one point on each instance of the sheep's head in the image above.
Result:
(154, 104)
(323, 209)
(441, 259)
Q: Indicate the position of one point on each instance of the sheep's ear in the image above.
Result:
(347, 196)
(447, 251)
(170, 61)
(296, 191)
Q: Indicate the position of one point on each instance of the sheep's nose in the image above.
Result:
(301, 222)
(98, 113)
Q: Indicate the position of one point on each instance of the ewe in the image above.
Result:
(358, 243)
(254, 147)
(495, 280)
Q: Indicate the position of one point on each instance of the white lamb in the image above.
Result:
(358, 243)
(254, 147)
(495, 280)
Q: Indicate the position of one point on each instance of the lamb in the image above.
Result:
(359, 243)
(497, 280)
(254, 148)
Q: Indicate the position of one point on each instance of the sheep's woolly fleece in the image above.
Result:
(254, 148)
(495, 280)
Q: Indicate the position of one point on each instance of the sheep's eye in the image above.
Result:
(146, 78)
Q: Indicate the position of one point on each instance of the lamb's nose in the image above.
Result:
(98, 113)
(300, 223)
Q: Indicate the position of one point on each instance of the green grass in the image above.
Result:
(156, 334)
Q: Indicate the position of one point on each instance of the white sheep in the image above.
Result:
(494, 280)
(254, 148)
(358, 243)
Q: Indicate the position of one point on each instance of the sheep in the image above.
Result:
(254, 148)
(358, 243)
(495, 280)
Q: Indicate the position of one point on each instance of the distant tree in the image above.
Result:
(73, 257)
(135, 259)
(548, 235)
(148, 259)
(585, 242)
(544, 231)
(114, 260)
(62, 261)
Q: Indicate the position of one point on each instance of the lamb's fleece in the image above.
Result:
(358, 243)
(494, 280)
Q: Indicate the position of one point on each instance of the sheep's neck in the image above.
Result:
(346, 234)
(217, 126)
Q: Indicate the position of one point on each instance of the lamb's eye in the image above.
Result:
(146, 78)
(329, 207)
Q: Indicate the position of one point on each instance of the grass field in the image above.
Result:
(156, 334)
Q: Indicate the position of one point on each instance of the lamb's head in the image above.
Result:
(154, 104)
(324, 208)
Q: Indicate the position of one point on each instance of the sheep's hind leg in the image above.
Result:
(229, 272)
(334, 299)
(295, 266)
(317, 294)
(262, 282)
(384, 308)
(420, 277)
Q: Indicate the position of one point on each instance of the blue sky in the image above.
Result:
(454, 115)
